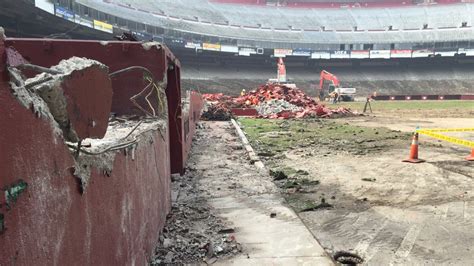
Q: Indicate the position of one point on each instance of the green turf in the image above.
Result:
(409, 105)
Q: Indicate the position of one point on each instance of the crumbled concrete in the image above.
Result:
(148, 45)
(29, 99)
(275, 106)
(193, 232)
(126, 135)
(85, 163)
(44, 94)
(2, 34)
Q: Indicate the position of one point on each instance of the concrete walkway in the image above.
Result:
(269, 231)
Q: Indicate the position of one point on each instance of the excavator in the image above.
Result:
(281, 75)
(329, 85)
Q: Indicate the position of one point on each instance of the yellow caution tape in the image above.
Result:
(450, 129)
(432, 134)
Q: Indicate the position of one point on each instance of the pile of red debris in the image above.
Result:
(217, 107)
(278, 94)
(216, 112)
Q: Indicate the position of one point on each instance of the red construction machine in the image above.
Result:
(281, 75)
(329, 85)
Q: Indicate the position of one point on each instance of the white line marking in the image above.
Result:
(407, 244)
(446, 212)
(363, 245)
(465, 211)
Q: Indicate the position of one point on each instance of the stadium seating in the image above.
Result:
(261, 23)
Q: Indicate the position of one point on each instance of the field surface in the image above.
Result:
(346, 179)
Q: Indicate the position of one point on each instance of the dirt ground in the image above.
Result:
(346, 179)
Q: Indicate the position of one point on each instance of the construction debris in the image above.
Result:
(273, 101)
(276, 106)
(193, 233)
(216, 112)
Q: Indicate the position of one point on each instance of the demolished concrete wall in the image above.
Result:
(106, 202)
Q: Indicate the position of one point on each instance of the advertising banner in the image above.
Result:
(320, 55)
(383, 54)
(178, 42)
(466, 51)
(340, 54)
(229, 49)
(83, 21)
(360, 54)
(211, 46)
(247, 50)
(282, 52)
(64, 13)
(46, 5)
(193, 45)
(422, 53)
(445, 52)
(400, 53)
(301, 52)
(102, 26)
(142, 36)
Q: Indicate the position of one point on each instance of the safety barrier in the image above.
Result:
(435, 133)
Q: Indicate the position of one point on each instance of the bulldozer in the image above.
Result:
(329, 86)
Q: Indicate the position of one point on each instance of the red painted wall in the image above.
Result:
(190, 118)
(117, 220)
(118, 55)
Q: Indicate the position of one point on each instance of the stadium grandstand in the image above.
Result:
(236, 36)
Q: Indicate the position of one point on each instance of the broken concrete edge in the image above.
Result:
(253, 156)
(259, 164)
(103, 162)
(44, 95)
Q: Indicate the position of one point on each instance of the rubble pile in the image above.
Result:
(216, 111)
(274, 101)
(185, 241)
(193, 234)
(217, 107)
(276, 106)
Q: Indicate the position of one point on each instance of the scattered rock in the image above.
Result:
(273, 215)
(302, 172)
(322, 205)
(226, 231)
(278, 175)
(193, 234)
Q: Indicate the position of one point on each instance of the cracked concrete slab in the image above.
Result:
(270, 232)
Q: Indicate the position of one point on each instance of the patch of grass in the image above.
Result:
(276, 136)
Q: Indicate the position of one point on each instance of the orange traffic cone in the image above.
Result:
(414, 151)
(471, 157)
